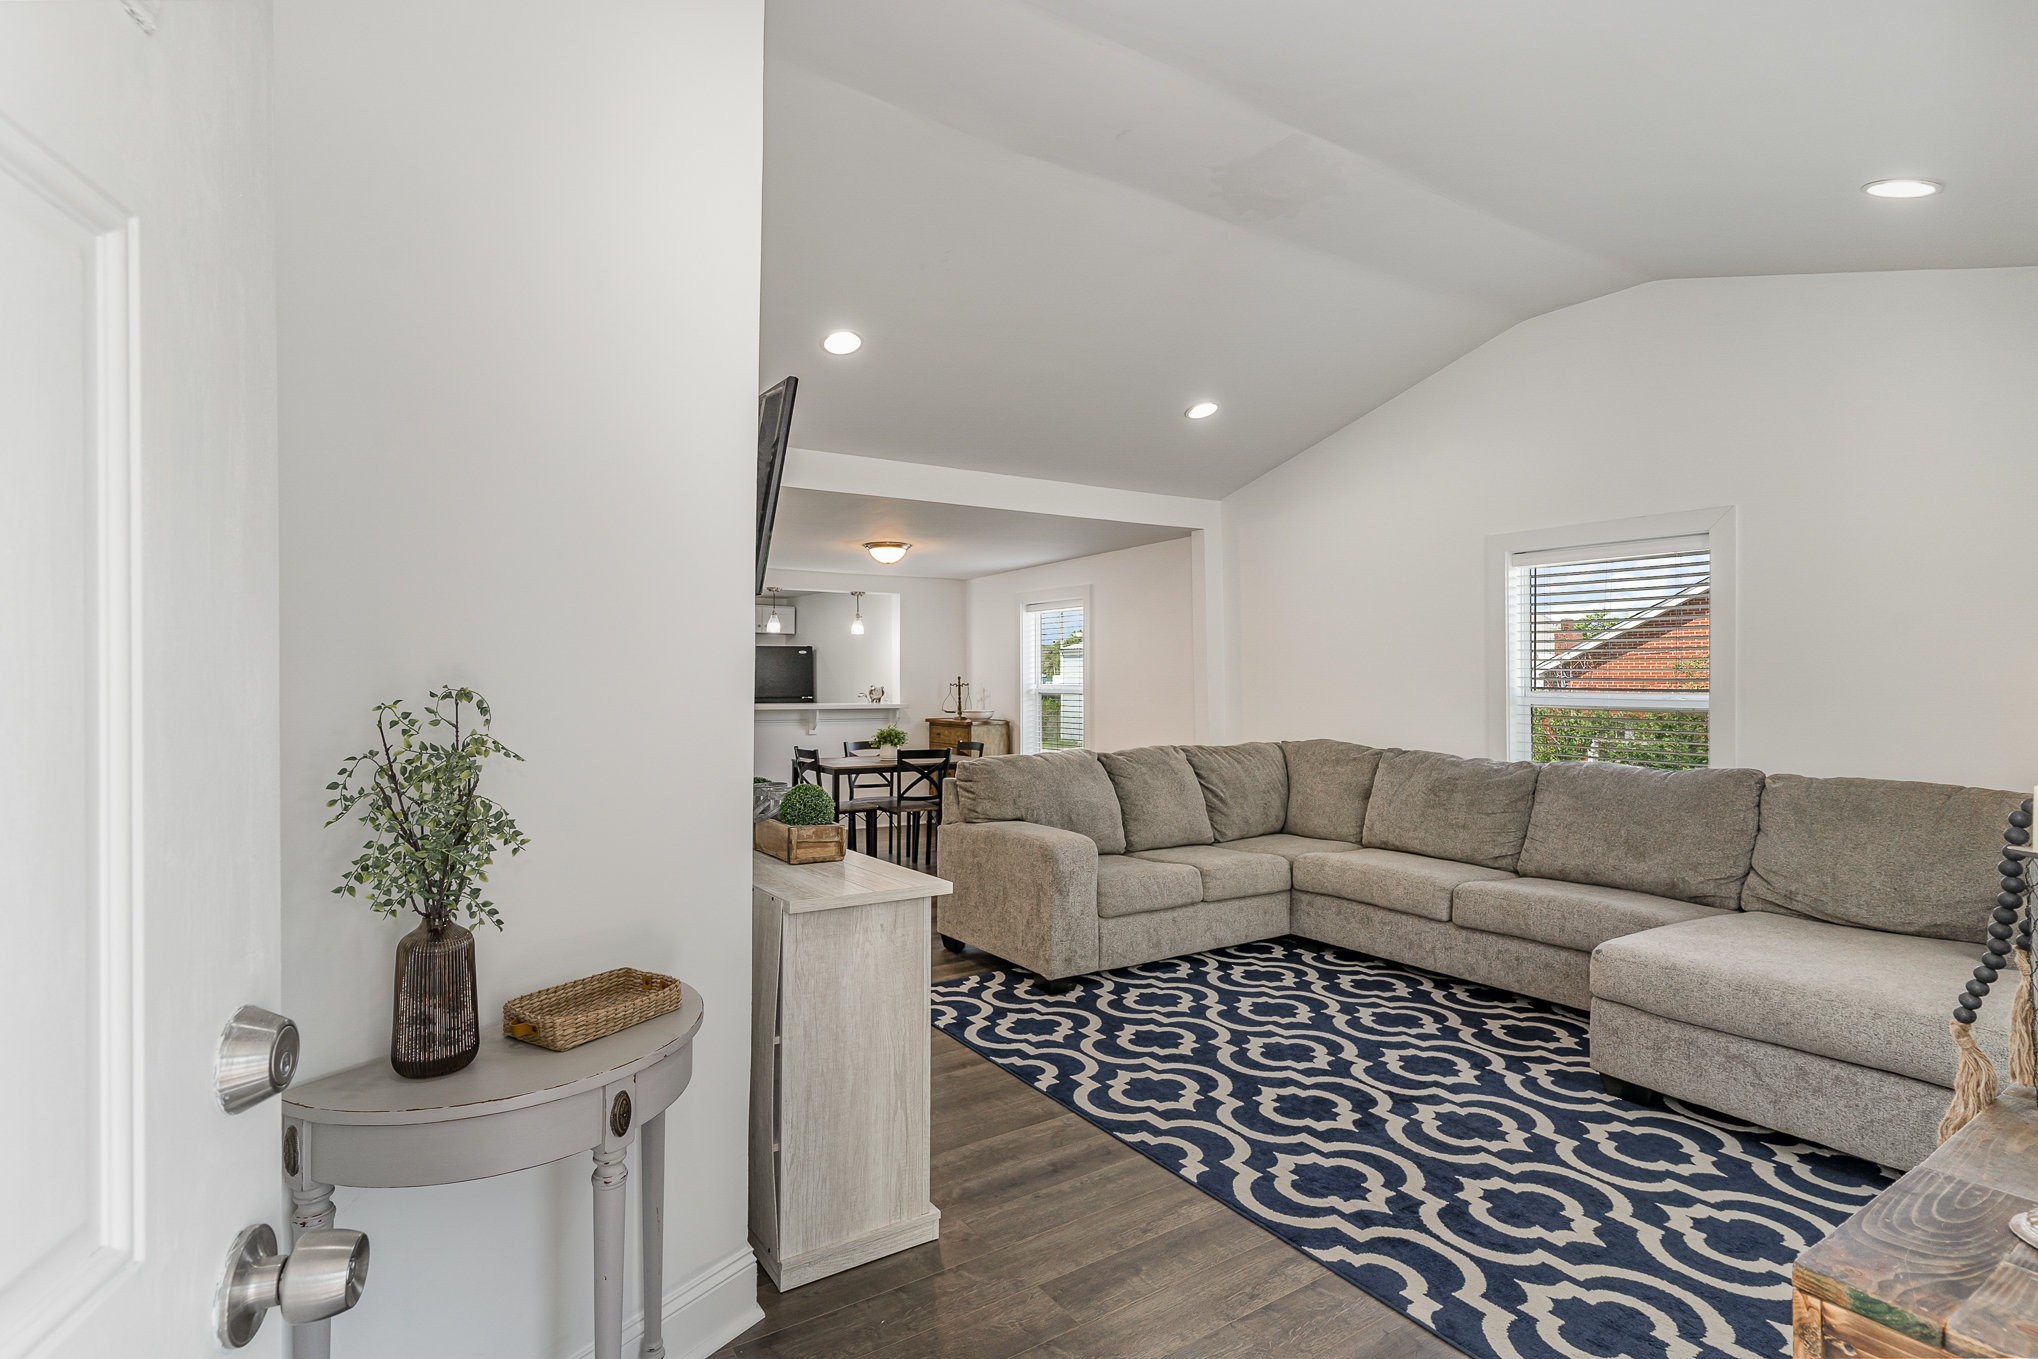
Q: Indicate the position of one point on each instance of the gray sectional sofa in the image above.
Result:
(1779, 948)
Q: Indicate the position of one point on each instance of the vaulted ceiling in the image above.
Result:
(1058, 223)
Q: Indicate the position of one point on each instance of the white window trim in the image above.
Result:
(1027, 601)
(1717, 523)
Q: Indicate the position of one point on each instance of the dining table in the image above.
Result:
(839, 767)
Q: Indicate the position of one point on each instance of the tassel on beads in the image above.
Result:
(1974, 1088)
(2023, 1010)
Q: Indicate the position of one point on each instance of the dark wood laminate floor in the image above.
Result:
(1059, 1242)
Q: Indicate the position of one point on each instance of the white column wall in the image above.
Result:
(518, 256)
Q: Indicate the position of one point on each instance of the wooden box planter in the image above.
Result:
(800, 844)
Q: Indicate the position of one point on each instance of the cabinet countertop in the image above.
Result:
(855, 880)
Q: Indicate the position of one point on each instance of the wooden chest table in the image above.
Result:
(946, 733)
(1930, 1268)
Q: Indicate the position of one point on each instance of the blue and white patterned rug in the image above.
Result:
(1444, 1146)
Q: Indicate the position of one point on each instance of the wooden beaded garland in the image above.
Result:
(1975, 1086)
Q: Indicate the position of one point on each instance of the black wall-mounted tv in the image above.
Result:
(785, 674)
(774, 431)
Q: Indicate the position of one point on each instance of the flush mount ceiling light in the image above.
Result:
(886, 554)
(856, 623)
(842, 342)
(1202, 410)
(1902, 188)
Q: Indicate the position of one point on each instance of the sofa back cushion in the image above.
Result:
(1067, 789)
(1906, 858)
(1245, 788)
(1328, 784)
(1686, 834)
(1159, 798)
(1448, 807)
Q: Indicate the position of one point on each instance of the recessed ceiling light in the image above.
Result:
(1202, 410)
(1902, 188)
(842, 342)
(886, 554)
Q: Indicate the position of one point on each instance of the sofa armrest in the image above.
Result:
(1024, 892)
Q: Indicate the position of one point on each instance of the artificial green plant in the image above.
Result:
(432, 836)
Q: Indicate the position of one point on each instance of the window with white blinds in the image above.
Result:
(1610, 653)
(1052, 681)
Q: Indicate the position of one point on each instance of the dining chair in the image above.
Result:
(918, 798)
(855, 749)
(861, 805)
(806, 761)
(969, 750)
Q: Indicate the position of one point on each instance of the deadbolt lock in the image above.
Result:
(257, 1057)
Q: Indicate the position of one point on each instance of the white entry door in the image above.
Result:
(138, 690)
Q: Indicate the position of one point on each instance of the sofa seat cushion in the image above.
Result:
(1911, 858)
(1414, 884)
(1328, 784)
(1159, 797)
(1860, 996)
(1290, 847)
(1567, 914)
(1449, 807)
(1066, 789)
(1245, 787)
(1129, 885)
(1685, 833)
(1228, 873)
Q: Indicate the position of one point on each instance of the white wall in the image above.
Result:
(1876, 434)
(518, 330)
(846, 664)
(930, 626)
(1140, 641)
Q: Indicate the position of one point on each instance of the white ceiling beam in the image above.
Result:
(813, 469)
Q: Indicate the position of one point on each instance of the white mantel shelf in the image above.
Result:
(813, 711)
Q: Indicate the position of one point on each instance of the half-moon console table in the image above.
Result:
(515, 1107)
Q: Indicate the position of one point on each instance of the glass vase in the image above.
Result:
(434, 1029)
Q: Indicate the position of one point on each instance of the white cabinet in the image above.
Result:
(786, 618)
(839, 1119)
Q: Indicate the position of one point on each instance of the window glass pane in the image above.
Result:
(1655, 740)
(1634, 625)
(1052, 715)
(1611, 655)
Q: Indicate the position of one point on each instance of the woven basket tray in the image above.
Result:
(571, 1013)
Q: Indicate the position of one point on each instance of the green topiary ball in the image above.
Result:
(807, 804)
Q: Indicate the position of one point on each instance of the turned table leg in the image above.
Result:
(651, 1169)
(311, 1208)
(610, 1175)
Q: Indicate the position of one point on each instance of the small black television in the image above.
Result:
(774, 432)
(785, 674)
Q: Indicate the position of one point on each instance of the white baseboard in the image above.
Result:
(703, 1313)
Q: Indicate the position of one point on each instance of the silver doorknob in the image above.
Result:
(257, 1057)
(322, 1277)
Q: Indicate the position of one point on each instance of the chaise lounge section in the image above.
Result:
(1782, 949)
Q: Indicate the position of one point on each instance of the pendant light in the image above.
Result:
(772, 624)
(856, 624)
